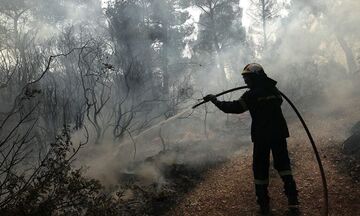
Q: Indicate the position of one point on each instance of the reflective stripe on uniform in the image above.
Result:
(269, 97)
(261, 181)
(243, 104)
(285, 172)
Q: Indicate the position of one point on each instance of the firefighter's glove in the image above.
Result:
(209, 97)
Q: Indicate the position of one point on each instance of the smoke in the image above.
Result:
(304, 56)
(187, 140)
(51, 17)
(313, 53)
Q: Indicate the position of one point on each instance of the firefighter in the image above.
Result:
(268, 132)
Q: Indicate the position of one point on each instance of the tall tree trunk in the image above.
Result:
(350, 59)
(218, 49)
(165, 59)
(263, 18)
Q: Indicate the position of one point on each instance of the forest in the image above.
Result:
(96, 97)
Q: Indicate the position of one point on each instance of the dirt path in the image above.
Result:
(228, 190)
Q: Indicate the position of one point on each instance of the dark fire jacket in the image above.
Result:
(264, 103)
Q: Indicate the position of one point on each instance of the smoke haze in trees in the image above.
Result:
(127, 65)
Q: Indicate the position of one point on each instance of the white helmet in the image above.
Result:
(253, 68)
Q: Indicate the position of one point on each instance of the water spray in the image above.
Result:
(323, 178)
(322, 172)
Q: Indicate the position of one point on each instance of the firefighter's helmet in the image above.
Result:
(253, 68)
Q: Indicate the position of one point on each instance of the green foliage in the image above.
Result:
(220, 25)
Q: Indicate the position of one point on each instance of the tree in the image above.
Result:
(335, 25)
(262, 13)
(220, 28)
(148, 43)
(341, 22)
(168, 30)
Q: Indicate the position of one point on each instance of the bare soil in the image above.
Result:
(228, 190)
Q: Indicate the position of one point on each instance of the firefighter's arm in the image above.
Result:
(236, 106)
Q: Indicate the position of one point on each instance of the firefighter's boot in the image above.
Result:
(291, 193)
(263, 199)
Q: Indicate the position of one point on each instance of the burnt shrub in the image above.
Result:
(55, 187)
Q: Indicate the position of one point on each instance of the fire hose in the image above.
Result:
(318, 159)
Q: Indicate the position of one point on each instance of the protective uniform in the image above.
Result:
(268, 132)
